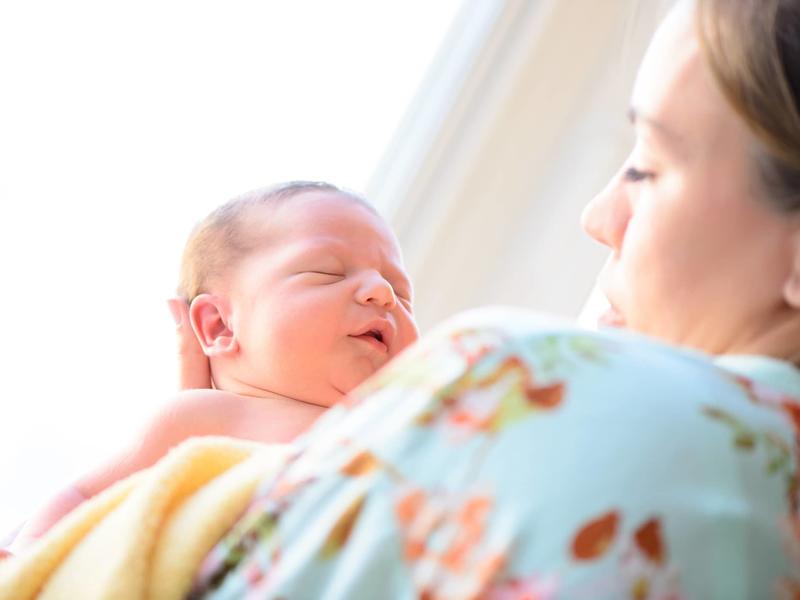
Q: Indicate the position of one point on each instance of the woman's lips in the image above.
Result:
(611, 318)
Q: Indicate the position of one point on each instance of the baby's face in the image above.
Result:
(324, 303)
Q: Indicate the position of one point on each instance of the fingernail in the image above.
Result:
(175, 309)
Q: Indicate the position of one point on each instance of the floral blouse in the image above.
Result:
(507, 458)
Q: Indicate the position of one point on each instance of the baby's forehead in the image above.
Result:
(318, 214)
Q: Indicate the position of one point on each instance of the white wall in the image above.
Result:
(487, 179)
(121, 125)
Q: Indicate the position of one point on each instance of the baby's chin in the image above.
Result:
(345, 381)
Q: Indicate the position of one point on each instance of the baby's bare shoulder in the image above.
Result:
(187, 414)
(207, 412)
(194, 413)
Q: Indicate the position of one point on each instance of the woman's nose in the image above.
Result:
(606, 216)
(376, 290)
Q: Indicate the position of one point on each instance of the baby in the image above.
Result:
(296, 295)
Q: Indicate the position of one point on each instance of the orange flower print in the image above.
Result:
(528, 588)
(475, 344)
(487, 402)
(409, 506)
(792, 409)
(470, 518)
(445, 544)
(641, 555)
(407, 510)
(644, 564)
(361, 464)
(649, 540)
(547, 396)
(595, 538)
(770, 397)
(787, 589)
(789, 527)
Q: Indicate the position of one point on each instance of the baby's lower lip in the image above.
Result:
(611, 318)
(378, 345)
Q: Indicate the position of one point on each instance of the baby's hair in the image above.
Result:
(222, 238)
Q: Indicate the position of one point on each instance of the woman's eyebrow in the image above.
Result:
(664, 132)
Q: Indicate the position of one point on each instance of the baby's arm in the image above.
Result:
(47, 516)
(191, 413)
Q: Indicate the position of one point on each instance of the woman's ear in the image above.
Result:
(210, 318)
(791, 289)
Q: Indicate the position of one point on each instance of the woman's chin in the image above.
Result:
(611, 318)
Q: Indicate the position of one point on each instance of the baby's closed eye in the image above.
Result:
(401, 291)
(323, 275)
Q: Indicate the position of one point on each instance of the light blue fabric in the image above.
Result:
(778, 374)
(505, 456)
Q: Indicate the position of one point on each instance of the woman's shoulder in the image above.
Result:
(554, 345)
(603, 458)
(501, 330)
(607, 375)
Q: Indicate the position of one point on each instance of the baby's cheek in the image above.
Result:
(406, 337)
(296, 335)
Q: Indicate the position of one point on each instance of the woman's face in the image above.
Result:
(699, 257)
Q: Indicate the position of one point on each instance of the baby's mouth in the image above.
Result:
(374, 338)
(374, 333)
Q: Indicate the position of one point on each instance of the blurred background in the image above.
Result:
(479, 128)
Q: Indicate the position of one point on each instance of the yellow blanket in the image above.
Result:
(144, 537)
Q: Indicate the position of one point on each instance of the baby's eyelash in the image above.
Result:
(635, 175)
(327, 273)
(401, 292)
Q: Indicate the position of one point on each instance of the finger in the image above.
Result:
(193, 368)
(5, 554)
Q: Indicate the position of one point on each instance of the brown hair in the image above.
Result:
(221, 239)
(753, 48)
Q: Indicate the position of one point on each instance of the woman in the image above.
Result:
(504, 457)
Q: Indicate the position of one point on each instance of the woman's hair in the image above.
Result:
(753, 48)
(222, 239)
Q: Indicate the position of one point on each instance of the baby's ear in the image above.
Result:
(210, 318)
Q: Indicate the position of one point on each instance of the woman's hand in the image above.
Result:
(193, 368)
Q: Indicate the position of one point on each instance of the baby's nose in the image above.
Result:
(376, 290)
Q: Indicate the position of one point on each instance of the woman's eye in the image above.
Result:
(634, 175)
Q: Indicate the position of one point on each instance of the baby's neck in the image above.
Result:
(263, 418)
(227, 380)
(249, 391)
